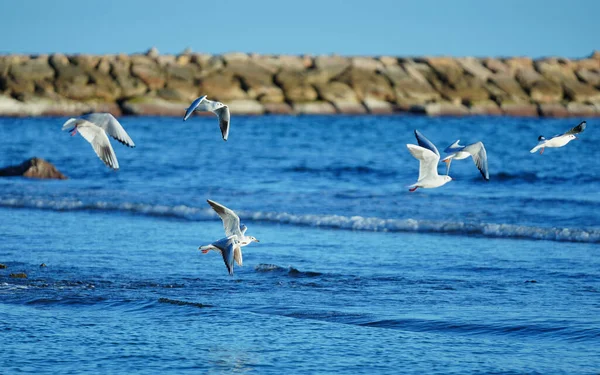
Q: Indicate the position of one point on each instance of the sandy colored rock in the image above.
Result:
(33, 168)
(388, 61)
(520, 109)
(580, 92)
(366, 63)
(18, 275)
(441, 109)
(474, 67)
(518, 64)
(496, 66)
(278, 108)
(509, 86)
(368, 85)
(295, 86)
(553, 110)
(153, 106)
(375, 106)
(484, 107)
(222, 87)
(582, 110)
(331, 66)
(150, 74)
(589, 76)
(246, 107)
(314, 108)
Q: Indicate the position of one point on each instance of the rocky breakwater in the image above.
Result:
(154, 84)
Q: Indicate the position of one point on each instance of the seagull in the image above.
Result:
(429, 157)
(235, 238)
(476, 150)
(204, 105)
(94, 128)
(558, 140)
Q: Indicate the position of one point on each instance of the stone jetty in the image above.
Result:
(164, 85)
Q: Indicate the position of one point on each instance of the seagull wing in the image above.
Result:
(193, 107)
(237, 255)
(227, 248)
(243, 228)
(111, 125)
(426, 143)
(454, 148)
(428, 160)
(231, 221)
(223, 115)
(477, 151)
(99, 141)
(578, 129)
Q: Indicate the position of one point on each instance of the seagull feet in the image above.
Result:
(204, 251)
(73, 132)
(542, 151)
(413, 189)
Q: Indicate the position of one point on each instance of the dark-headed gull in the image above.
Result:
(94, 129)
(476, 150)
(230, 247)
(204, 105)
(558, 140)
(428, 157)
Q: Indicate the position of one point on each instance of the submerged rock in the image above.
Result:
(33, 168)
(18, 275)
(2, 266)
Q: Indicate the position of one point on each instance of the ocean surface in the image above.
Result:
(353, 273)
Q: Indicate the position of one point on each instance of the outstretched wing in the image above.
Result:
(428, 160)
(454, 148)
(426, 143)
(224, 116)
(111, 125)
(231, 221)
(578, 129)
(477, 151)
(237, 255)
(99, 141)
(192, 107)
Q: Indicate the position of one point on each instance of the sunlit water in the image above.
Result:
(353, 273)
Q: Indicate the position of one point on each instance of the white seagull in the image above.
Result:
(94, 129)
(230, 247)
(476, 150)
(204, 105)
(558, 140)
(428, 157)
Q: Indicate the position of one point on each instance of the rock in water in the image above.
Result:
(33, 168)
(18, 275)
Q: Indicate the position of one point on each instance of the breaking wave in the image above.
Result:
(357, 223)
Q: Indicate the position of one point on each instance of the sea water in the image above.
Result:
(353, 273)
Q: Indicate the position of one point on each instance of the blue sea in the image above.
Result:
(353, 273)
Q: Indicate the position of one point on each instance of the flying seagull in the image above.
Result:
(235, 238)
(476, 150)
(429, 157)
(94, 128)
(558, 140)
(204, 105)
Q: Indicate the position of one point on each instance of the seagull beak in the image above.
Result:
(256, 240)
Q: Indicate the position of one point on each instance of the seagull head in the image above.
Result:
(253, 239)
(447, 178)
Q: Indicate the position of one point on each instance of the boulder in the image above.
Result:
(246, 107)
(42, 106)
(129, 85)
(295, 86)
(441, 109)
(222, 87)
(484, 107)
(368, 85)
(341, 96)
(589, 76)
(331, 66)
(582, 110)
(278, 108)
(208, 64)
(149, 73)
(474, 67)
(2, 266)
(518, 64)
(369, 64)
(553, 110)
(33, 168)
(18, 275)
(509, 86)
(375, 106)
(447, 69)
(388, 61)
(314, 108)
(37, 69)
(580, 92)
(496, 66)
(519, 109)
(153, 106)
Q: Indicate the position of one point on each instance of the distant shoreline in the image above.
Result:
(252, 84)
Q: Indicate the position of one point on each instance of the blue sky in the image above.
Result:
(368, 27)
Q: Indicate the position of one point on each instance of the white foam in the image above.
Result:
(357, 223)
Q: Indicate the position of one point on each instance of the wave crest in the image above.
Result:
(358, 223)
